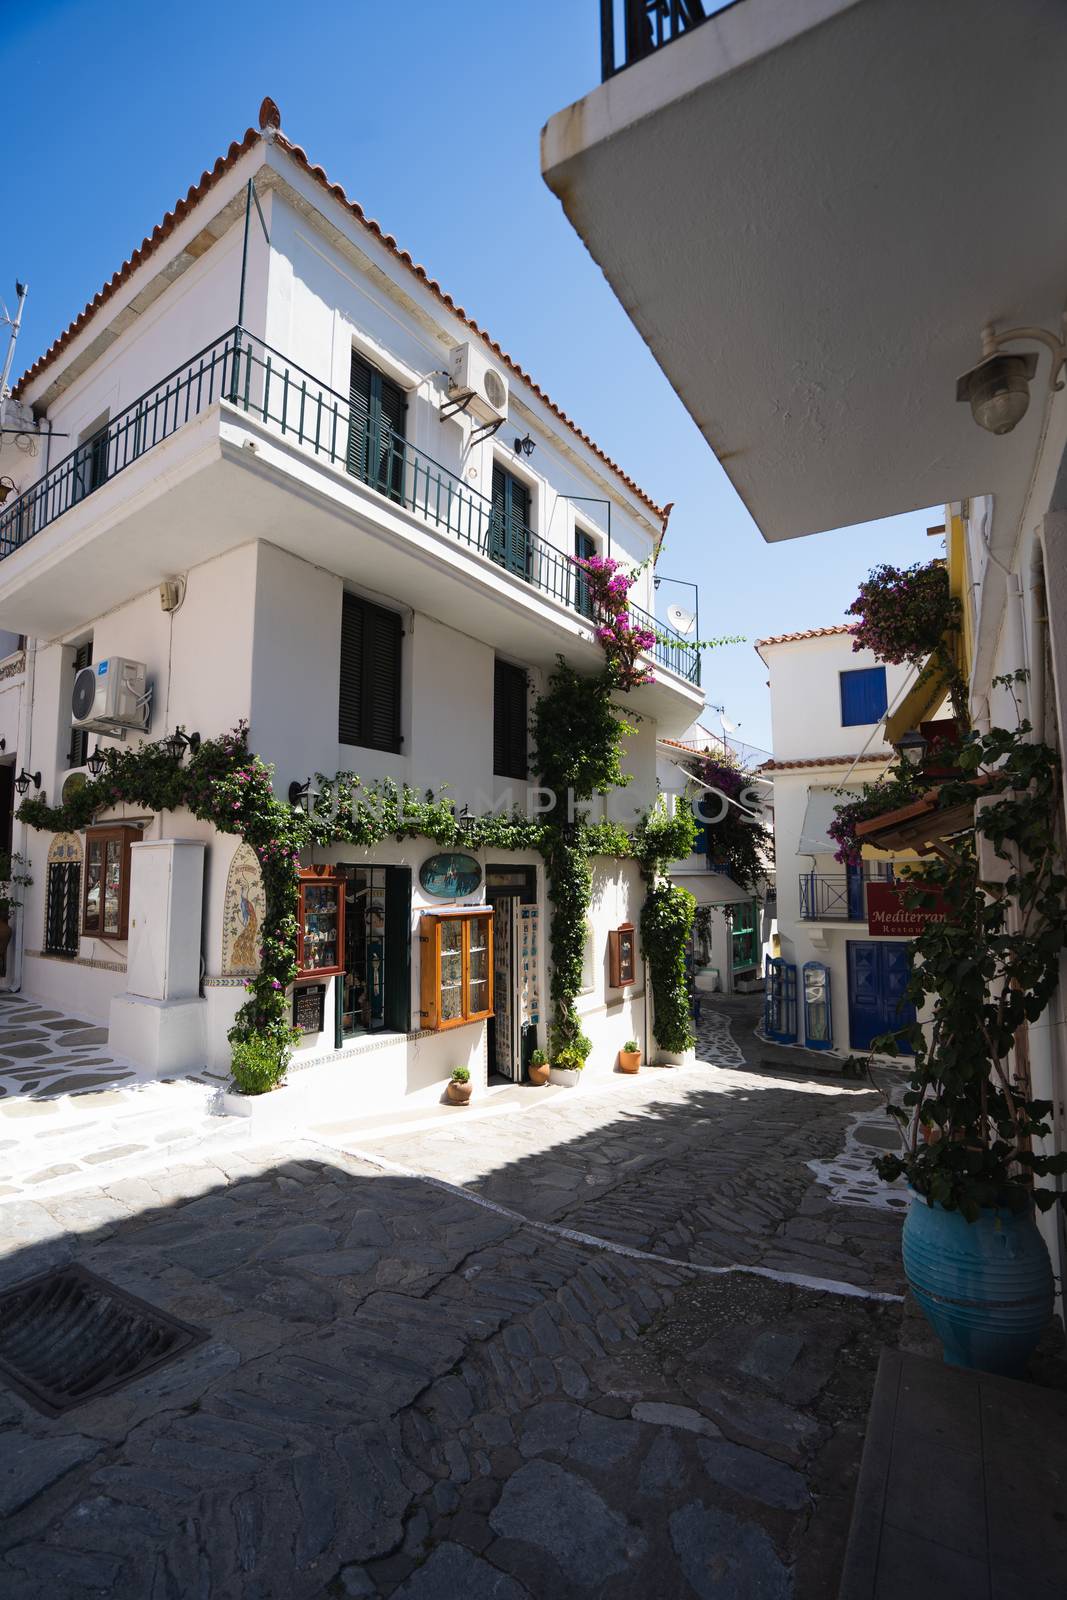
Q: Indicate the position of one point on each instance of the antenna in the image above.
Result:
(680, 619)
(21, 291)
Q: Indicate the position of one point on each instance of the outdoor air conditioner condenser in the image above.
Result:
(471, 373)
(110, 696)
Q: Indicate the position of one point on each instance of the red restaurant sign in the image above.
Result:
(888, 916)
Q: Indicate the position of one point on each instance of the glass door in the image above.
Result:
(450, 978)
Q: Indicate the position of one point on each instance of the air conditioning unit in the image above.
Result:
(110, 697)
(471, 373)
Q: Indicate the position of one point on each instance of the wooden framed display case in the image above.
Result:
(622, 955)
(456, 976)
(106, 881)
(320, 923)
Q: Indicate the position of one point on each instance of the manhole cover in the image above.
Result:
(68, 1336)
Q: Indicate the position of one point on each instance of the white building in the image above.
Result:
(828, 706)
(854, 263)
(361, 563)
(734, 922)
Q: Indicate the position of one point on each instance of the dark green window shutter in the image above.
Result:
(377, 411)
(398, 949)
(79, 738)
(509, 721)
(584, 547)
(369, 688)
(509, 523)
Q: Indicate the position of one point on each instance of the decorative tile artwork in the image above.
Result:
(243, 911)
(65, 847)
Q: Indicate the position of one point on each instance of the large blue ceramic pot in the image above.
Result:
(985, 1286)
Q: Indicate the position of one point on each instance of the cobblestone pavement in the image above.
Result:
(408, 1393)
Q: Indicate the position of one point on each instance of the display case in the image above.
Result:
(622, 955)
(106, 884)
(320, 923)
(456, 976)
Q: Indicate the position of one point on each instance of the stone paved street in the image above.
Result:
(405, 1392)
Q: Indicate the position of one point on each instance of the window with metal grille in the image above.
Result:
(509, 523)
(863, 697)
(62, 908)
(78, 753)
(369, 696)
(376, 426)
(509, 721)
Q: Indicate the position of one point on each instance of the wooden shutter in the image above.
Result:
(509, 522)
(509, 721)
(369, 689)
(381, 676)
(359, 402)
(863, 696)
(398, 949)
(79, 738)
(350, 711)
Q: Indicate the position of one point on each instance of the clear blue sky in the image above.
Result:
(428, 112)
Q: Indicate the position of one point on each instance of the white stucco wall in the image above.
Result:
(806, 697)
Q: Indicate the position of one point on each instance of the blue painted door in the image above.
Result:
(877, 980)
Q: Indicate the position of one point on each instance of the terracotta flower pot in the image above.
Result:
(629, 1060)
(539, 1074)
(459, 1093)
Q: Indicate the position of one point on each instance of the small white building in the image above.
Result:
(734, 922)
(294, 485)
(828, 707)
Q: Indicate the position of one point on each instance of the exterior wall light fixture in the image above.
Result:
(97, 762)
(7, 486)
(525, 447)
(911, 748)
(466, 822)
(998, 388)
(24, 779)
(180, 741)
(300, 794)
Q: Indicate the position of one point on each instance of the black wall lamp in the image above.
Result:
(97, 762)
(525, 447)
(300, 794)
(24, 779)
(466, 822)
(911, 748)
(180, 741)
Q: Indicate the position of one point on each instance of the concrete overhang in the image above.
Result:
(809, 211)
(224, 480)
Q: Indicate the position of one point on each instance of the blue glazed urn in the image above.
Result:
(985, 1286)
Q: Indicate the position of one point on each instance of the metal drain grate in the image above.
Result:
(68, 1336)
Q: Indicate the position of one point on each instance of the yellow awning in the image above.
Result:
(931, 689)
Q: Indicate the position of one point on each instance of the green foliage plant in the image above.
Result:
(666, 924)
(907, 615)
(631, 1047)
(460, 1075)
(969, 1125)
(13, 875)
(257, 1064)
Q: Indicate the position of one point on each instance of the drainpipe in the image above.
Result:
(1038, 625)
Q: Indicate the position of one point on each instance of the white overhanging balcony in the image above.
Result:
(230, 426)
(810, 209)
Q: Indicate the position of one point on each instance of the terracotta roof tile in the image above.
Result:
(808, 633)
(822, 761)
(269, 127)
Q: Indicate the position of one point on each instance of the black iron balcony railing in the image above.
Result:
(832, 897)
(240, 369)
(633, 29)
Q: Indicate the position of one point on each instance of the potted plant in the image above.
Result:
(459, 1088)
(630, 1056)
(11, 876)
(568, 1060)
(972, 1132)
(539, 1067)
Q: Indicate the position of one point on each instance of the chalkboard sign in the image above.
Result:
(309, 1007)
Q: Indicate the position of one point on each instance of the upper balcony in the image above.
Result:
(630, 30)
(809, 209)
(192, 468)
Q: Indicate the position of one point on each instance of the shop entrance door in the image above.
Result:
(512, 893)
(877, 992)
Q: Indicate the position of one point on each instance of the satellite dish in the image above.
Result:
(680, 619)
(727, 725)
